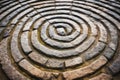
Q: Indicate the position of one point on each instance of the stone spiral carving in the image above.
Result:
(58, 39)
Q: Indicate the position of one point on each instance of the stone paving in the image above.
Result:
(60, 39)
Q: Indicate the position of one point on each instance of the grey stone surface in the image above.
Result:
(103, 32)
(25, 42)
(7, 31)
(8, 11)
(96, 50)
(115, 66)
(38, 23)
(62, 18)
(1, 29)
(29, 23)
(61, 31)
(8, 6)
(108, 52)
(52, 52)
(43, 32)
(79, 39)
(68, 28)
(113, 35)
(7, 64)
(14, 44)
(73, 62)
(69, 39)
(56, 36)
(85, 45)
(38, 58)
(14, 21)
(52, 63)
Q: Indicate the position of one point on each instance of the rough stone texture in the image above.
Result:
(108, 53)
(7, 64)
(60, 39)
(28, 25)
(102, 76)
(73, 62)
(115, 66)
(78, 73)
(66, 38)
(95, 51)
(38, 58)
(1, 29)
(8, 30)
(55, 63)
(103, 32)
(66, 26)
(25, 42)
(14, 44)
(33, 70)
(61, 31)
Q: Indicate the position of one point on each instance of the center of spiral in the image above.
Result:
(61, 31)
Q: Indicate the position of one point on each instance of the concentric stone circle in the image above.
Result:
(58, 39)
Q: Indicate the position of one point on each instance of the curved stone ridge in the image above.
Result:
(59, 39)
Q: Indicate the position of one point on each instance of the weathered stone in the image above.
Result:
(73, 62)
(98, 63)
(93, 27)
(49, 51)
(33, 13)
(24, 19)
(54, 63)
(8, 30)
(81, 38)
(6, 3)
(61, 31)
(78, 73)
(33, 70)
(39, 5)
(29, 23)
(1, 29)
(8, 6)
(80, 9)
(70, 75)
(57, 50)
(61, 45)
(43, 34)
(38, 23)
(108, 53)
(102, 76)
(66, 26)
(8, 11)
(38, 58)
(14, 21)
(103, 14)
(91, 24)
(85, 45)
(85, 28)
(55, 36)
(95, 51)
(113, 34)
(27, 2)
(14, 44)
(103, 32)
(42, 3)
(50, 10)
(7, 65)
(115, 66)
(25, 42)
